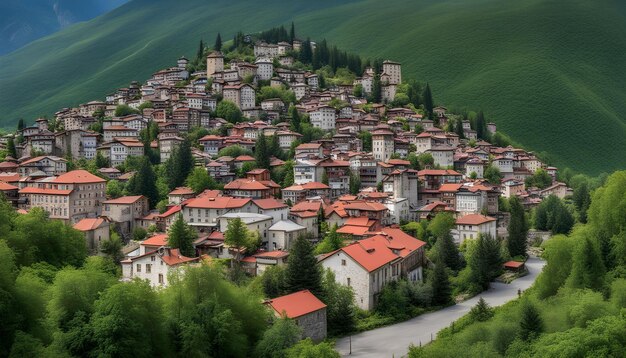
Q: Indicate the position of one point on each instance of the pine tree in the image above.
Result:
(485, 261)
(441, 284)
(275, 149)
(288, 180)
(179, 165)
(292, 32)
(295, 119)
(303, 271)
(355, 183)
(218, 43)
(518, 228)
(459, 129)
(144, 182)
(181, 236)
(481, 126)
(448, 252)
(200, 53)
(482, 311)
(261, 152)
(101, 161)
(531, 324)
(427, 98)
(11, 148)
(588, 268)
(20, 124)
(376, 95)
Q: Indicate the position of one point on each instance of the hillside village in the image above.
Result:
(285, 150)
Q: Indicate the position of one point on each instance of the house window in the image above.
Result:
(348, 281)
(148, 268)
(343, 262)
(138, 267)
(161, 278)
(153, 258)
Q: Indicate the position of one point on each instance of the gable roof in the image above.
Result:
(78, 177)
(222, 202)
(474, 219)
(296, 304)
(88, 224)
(155, 240)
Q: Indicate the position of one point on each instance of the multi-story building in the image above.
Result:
(69, 197)
(243, 95)
(382, 144)
(124, 211)
(156, 266)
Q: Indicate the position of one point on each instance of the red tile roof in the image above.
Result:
(222, 202)
(296, 304)
(474, 219)
(307, 206)
(5, 186)
(78, 177)
(245, 184)
(270, 203)
(353, 230)
(156, 240)
(171, 211)
(437, 172)
(44, 191)
(181, 191)
(513, 264)
(450, 187)
(88, 224)
(174, 257)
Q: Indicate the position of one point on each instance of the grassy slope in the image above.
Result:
(549, 72)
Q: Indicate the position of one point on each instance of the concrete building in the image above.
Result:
(382, 144)
(214, 64)
(282, 234)
(156, 266)
(470, 226)
(124, 211)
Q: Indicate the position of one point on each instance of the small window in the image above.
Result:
(153, 258)
(138, 267)
(348, 281)
(161, 278)
(148, 268)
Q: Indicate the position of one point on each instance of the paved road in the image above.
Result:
(393, 341)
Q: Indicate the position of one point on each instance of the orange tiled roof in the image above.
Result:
(474, 219)
(296, 304)
(88, 224)
(127, 200)
(78, 177)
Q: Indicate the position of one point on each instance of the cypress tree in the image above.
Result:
(355, 183)
(275, 147)
(295, 119)
(288, 180)
(427, 98)
(144, 182)
(441, 284)
(200, 53)
(531, 324)
(459, 129)
(292, 32)
(376, 89)
(261, 152)
(448, 252)
(179, 165)
(303, 271)
(518, 228)
(20, 124)
(481, 126)
(181, 236)
(11, 148)
(218, 42)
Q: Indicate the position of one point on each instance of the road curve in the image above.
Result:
(394, 340)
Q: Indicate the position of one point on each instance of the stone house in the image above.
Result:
(306, 310)
(470, 226)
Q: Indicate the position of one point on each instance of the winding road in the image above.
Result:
(394, 340)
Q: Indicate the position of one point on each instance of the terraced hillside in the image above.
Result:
(550, 73)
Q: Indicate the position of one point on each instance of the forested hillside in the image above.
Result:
(548, 72)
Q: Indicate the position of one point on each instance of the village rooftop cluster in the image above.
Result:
(389, 191)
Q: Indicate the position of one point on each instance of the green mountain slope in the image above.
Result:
(550, 73)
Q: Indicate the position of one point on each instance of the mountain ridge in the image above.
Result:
(541, 69)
